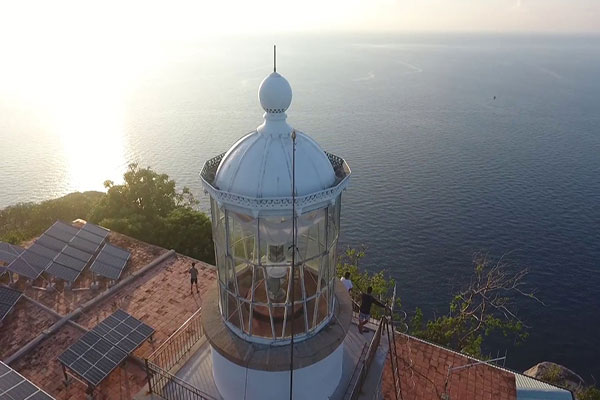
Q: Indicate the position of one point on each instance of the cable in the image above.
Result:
(294, 239)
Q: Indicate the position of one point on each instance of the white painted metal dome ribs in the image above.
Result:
(255, 174)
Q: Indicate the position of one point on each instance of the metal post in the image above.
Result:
(293, 259)
(148, 376)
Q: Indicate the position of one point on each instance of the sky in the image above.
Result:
(31, 21)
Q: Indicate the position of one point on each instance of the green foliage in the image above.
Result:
(25, 221)
(379, 281)
(147, 206)
(480, 310)
(588, 393)
(552, 375)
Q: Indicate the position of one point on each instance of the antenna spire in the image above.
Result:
(274, 58)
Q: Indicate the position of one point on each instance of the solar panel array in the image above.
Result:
(125, 331)
(8, 299)
(97, 353)
(110, 262)
(13, 386)
(62, 251)
(92, 358)
(9, 252)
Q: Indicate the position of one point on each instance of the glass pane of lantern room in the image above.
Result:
(242, 229)
(333, 222)
(243, 272)
(221, 263)
(230, 283)
(322, 306)
(261, 317)
(311, 276)
(325, 272)
(311, 234)
(232, 315)
(332, 264)
(218, 224)
(275, 237)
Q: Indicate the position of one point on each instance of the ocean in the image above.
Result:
(458, 144)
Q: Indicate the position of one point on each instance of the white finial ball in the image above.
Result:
(275, 93)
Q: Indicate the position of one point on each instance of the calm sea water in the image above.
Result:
(440, 169)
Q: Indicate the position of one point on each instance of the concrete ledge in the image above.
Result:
(276, 358)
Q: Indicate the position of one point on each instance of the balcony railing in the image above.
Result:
(176, 347)
(164, 362)
(170, 387)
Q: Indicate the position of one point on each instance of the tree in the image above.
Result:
(485, 306)
(25, 221)
(382, 285)
(148, 206)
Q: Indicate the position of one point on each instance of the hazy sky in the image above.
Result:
(25, 20)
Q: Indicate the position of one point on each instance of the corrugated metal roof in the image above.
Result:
(532, 389)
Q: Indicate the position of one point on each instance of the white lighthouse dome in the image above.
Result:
(259, 165)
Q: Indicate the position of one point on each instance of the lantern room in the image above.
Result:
(255, 188)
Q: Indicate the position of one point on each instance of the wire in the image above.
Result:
(294, 239)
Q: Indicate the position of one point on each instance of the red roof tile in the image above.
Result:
(424, 375)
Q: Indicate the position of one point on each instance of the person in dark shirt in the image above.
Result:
(365, 308)
(194, 278)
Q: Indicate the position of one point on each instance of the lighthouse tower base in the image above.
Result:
(243, 369)
(317, 381)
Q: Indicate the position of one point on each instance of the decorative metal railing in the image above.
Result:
(162, 363)
(266, 204)
(170, 387)
(175, 348)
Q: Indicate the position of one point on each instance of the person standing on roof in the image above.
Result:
(347, 282)
(194, 278)
(366, 302)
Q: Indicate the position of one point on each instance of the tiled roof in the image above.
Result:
(160, 298)
(424, 375)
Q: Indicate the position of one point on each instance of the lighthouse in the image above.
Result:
(277, 319)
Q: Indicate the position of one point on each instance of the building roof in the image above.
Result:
(160, 297)
(424, 376)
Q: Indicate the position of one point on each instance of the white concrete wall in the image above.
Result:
(317, 381)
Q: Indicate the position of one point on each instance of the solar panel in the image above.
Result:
(37, 261)
(13, 386)
(11, 248)
(90, 237)
(84, 245)
(106, 271)
(92, 358)
(7, 257)
(43, 251)
(56, 232)
(63, 226)
(76, 253)
(116, 251)
(70, 262)
(109, 265)
(125, 331)
(8, 299)
(96, 230)
(23, 268)
(9, 296)
(50, 242)
(9, 252)
(4, 310)
(62, 272)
